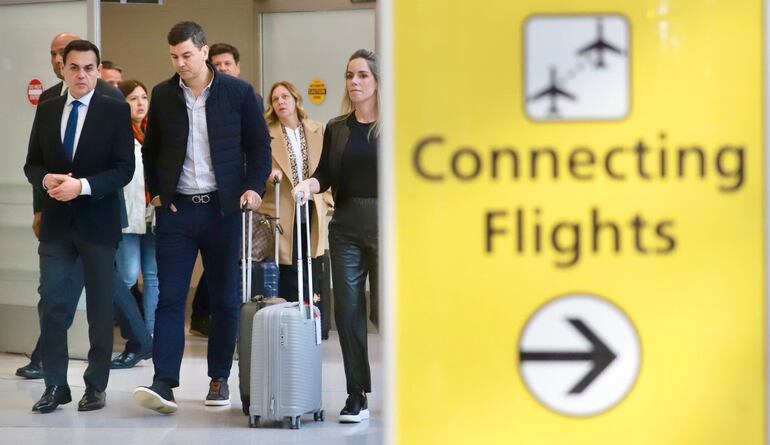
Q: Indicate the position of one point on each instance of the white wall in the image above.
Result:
(302, 46)
(26, 31)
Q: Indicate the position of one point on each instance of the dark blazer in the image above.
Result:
(335, 139)
(104, 156)
(54, 92)
(238, 139)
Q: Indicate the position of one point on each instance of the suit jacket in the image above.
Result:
(314, 132)
(104, 156)
(335, 139)
(238, 139)
(54, 92)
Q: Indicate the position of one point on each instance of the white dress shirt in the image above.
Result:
(83, 108)
(197, 170)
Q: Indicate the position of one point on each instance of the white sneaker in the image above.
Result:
(356, 409)
(157, 397)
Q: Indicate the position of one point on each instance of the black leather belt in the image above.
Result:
(203, 198)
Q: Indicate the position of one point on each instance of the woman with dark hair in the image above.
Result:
(136, 251)
(296, 149)
(348, 166)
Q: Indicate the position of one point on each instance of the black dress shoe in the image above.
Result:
(53, 397)
(31, 371)
(92, 400)
(129, 359)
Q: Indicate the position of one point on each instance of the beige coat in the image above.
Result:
(323, 202)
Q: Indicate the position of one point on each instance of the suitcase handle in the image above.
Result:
(247, 241)
(277, 230)
(246, 257)
(309, 262)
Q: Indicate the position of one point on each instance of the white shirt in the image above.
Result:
(83, 108)
(133, 192)
(296, 147)
(197, 170)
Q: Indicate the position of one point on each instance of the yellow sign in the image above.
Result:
(316, 92)
(579, 224)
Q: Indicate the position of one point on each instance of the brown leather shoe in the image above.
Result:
(219, 393)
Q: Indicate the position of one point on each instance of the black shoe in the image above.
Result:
(31, 371)
(157, 397)
(356, 409)
(219, 393)
(53, 397)
(92, 400)
(129, 359)
(200, 326)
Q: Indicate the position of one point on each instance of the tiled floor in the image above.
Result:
(124, 423)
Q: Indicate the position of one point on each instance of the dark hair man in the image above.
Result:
(205, 156)
(127, 312)
(225, 59)
(80, 169)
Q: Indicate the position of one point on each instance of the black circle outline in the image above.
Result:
(638, 370)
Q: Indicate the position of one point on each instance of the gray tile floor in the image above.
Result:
(124, 423)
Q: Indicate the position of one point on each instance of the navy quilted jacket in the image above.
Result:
(238, 138)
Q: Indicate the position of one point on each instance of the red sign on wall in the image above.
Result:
(34, 90)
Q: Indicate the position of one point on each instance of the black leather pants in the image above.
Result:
(353, 248)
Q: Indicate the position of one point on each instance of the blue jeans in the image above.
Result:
(137, 252)
(181, 235)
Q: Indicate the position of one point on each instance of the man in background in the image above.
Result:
(111, 73)
(225, 59)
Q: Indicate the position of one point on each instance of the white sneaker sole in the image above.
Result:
(349, 418)
(217, 402)
(149, 399)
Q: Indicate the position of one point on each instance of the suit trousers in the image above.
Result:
(353, 239)
(127, 314)
(58, 262)
(179, 237)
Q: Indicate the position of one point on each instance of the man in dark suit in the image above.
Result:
(139, 344)
(80, 155)
(206, 153)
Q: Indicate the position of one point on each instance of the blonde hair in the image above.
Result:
(371, 60)
(270, 115)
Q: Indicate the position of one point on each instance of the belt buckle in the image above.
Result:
(201, 199)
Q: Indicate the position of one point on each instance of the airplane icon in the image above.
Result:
(599, 46)
(553, 92)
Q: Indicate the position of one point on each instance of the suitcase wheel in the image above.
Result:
(295, 422)
(253, 421)
(318, 416)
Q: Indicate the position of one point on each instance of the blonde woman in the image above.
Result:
(348, 167)
(296, 146)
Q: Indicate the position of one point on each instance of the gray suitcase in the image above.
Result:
(251, 304)
(286, 355)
